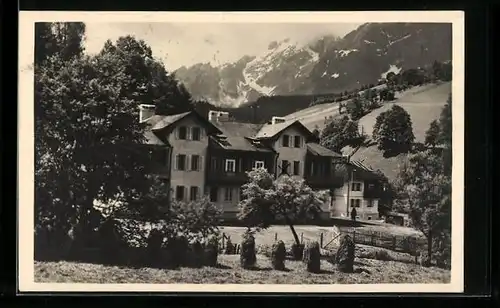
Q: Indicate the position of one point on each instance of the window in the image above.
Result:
(213, 194)
(179, 193)
(230, 165)
(355, 202)
(356, 186)
(258, 164)
(194, 193)
(284, 166)
(195, 162)
(369, 203)
(195, 133)
(296, 168)
(297, 142)
(228, 195)
(181, 162)
(369, 218)
(183, 132)
(286, 141)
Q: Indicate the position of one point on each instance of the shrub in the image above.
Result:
(297, 251)
(248, 256)
(345, 254)
(278, 255)
(196, 258)
(154, 248)
(211, 251)
(312, 257)
(230, 248)
(178, 250)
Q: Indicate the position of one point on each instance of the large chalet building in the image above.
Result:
(197, 156)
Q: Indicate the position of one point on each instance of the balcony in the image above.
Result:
(226, 178)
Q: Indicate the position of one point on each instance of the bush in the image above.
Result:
(211, 251)
(197, 251)
(178, 248)
(154, 248)
(312, 257)
(297, 251)
(278, 256)
(345, 254)
(230, 248)
(248, 256)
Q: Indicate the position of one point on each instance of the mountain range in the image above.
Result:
(326, 65)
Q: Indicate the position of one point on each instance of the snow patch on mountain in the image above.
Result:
(399, 40)
(335, 75)
(344, 53)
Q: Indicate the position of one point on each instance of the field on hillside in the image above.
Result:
(420, 100)
(424, 105)
(229, 272)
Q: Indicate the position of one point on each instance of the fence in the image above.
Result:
(398, 243)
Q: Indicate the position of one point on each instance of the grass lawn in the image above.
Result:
(229, 271)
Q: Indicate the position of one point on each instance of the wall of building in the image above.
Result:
(226, 206)
(291, 153)
(188, 178)
(364, 211)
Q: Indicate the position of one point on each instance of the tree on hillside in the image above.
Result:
(424, 187)
(355, 108)
(338, 133)
(432, 134)
(393, 131)
(268, 200)
(87, 126)
(386, 95)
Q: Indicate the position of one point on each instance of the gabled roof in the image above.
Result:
(319, 150)
(361, 170)
(235, 136)
(273, 130)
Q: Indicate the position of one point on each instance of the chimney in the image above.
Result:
(218, 116)
(276, 120)
(146, 112)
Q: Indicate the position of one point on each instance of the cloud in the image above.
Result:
(179, 44)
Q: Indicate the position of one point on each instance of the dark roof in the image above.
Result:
(168, 120)
(235, 136)
(271, 130)
(361, 171)
(319, 150)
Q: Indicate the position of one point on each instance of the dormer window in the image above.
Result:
(183, 132)
(297, 142)
(195, 133)
(286, 141)
(230, 165)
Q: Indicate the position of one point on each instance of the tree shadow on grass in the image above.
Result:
(259, 269)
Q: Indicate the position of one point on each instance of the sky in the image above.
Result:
(184, 44)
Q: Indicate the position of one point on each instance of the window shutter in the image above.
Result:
(176, 132)
(188, 163)
(188, 133)
(198, 193)
(176, 162)
(186, 193)
(202, 133)
(200, 163)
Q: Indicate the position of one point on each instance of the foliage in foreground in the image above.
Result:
(288, 199)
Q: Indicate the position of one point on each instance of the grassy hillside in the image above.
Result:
(424, 105)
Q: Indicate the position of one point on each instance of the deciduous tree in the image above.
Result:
(286, 198)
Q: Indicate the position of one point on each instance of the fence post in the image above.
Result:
(321, 240)
(373, 239)
(275, 236)
(394, 243)
(302, 238)
(354, 236)
(223, 237)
